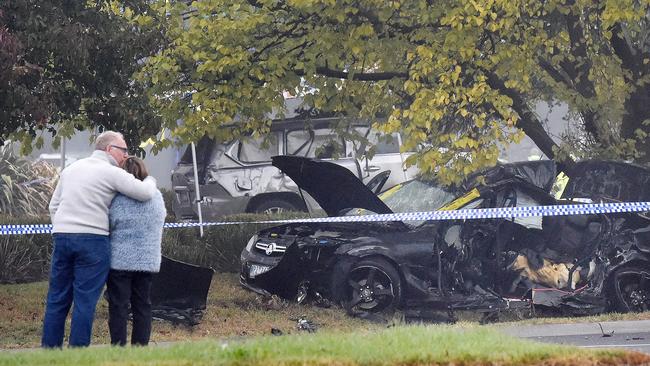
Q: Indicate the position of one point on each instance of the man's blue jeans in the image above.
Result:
(80, 265)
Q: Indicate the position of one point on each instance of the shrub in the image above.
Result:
(24, 258)
(25, 186)
(168, 197)
(220, 246)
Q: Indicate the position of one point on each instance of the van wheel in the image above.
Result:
(275, 206)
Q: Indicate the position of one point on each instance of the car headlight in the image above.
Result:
(251, 242)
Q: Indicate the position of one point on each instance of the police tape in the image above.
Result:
(463, 214)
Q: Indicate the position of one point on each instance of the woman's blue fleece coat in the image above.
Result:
(136, 232)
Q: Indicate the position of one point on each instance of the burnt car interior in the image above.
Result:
(580, 264)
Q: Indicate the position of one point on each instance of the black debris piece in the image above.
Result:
(179, 292)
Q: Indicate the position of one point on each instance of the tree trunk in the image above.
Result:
(637, 109)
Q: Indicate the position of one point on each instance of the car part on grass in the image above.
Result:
(306, 325)
(567, 263)
(179, 291)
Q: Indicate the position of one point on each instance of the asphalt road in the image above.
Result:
(631, 335)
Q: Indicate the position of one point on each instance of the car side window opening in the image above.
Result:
(325, 145)
(383, 144)
(298, 142)
(319, 143)
(258, 149)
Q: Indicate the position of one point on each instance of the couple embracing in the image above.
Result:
(107, 222)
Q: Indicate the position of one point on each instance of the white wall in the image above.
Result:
(80, 146)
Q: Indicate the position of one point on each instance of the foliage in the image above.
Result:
(459, 77)
(168, 197)
(67, 65)
(24, 258)
(220, 246)
(25, 186)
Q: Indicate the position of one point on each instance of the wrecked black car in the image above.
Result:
(581, 264)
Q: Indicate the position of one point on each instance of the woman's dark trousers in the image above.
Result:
(134, 288)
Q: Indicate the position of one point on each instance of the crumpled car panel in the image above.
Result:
(179, 291)
(565, 262)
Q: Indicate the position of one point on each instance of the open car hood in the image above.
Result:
(334, 187)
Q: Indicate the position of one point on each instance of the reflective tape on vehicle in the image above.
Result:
(466, 214)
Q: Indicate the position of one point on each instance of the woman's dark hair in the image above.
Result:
(136, 167)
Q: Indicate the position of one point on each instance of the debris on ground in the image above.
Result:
(306, 325)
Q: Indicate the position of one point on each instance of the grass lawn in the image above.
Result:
(403, 345)
(240, 317)
(232, 312)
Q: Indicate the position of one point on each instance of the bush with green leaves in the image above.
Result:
(26, 258)
(220, 246)
(25, 186)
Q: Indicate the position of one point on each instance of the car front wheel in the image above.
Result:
(373, 286)
(630, 289)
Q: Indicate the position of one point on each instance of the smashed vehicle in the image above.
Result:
(237, 176)
(581, 264)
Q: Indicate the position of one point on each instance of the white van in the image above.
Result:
(238, 177)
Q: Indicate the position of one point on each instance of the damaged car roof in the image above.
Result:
(612, 180)
(540, 173)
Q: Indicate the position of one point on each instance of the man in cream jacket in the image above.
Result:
(81, 256)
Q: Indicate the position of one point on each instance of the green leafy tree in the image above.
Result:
(459, 77)
(67, 65)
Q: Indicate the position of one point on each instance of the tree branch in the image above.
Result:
(528, 121)
(372, 76)
(623, 50)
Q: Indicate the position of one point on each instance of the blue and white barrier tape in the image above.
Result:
(466, 214)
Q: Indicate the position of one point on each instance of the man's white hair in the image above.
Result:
(106, 138)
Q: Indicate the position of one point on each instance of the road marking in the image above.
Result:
(617, 345)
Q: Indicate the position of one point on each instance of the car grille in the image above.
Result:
(270, 249)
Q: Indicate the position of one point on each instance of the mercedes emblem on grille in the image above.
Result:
(270, 249)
